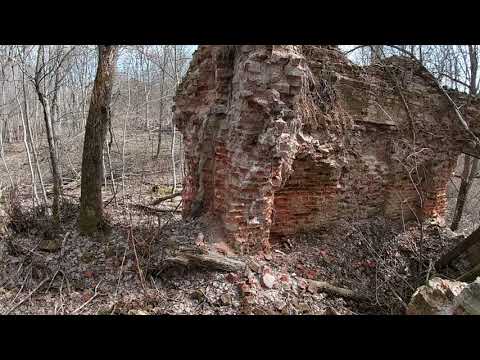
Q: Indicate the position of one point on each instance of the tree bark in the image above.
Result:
(35, 199)
(162, 95)
(376, 53)
(57, 183)
(91, 204)
(172, 149)
(125, 119)
(470, 168)
(47, 116)
(31, 140)
(2, 132)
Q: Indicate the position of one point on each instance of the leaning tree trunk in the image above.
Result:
(28, 129)
(469, 171)
(52, 150)
(91, 204)
(470, 166)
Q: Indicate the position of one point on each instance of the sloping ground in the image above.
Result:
(101, 276)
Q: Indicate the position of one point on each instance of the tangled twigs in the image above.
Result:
(23, 284)
(397, 285)
(119, 279)
(404, 304)
(455, 107)
(27, 297)
(140, 272)
(51, 281)
(162, 199)
(64, 242)
(95, 294)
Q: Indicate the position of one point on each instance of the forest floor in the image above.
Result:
(124, 272)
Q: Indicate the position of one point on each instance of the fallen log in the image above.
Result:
(152, 210)
(206, 259)
(460, 248)
(323, 286)
(162, 199)
(470, 275)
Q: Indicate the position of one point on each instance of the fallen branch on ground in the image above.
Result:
(206, 259)
(152, 210)
(323, 286)
(168, 197)
(27, 297)
(89, 300)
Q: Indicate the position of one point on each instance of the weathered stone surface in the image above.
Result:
(444, 297)
(468, 301)
(435, 298)
(281, 139)
(268, 280)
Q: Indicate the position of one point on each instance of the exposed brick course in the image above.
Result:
(281, 139)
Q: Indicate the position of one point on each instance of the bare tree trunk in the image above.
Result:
(473, 55)
(1, 136)
(376, 53)
(4, 162)
(91, 204)
(57, 185)
(35, 199)
(470, 166)
(112, 179)
(127, 115)
(469, 171)
(31, 141)
(47, 117)
(104, 171)
(172, 150)
(35, 121)
(172, 154)
(53, 118)
(84, 96)
(159, 143)
(160, 119)
(147, 94)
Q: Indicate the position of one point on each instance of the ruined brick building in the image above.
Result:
(282, 139)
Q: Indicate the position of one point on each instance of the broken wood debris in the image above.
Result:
(323, 286)
(164, 198)
(205, 258)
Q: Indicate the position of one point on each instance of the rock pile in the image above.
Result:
(445, 297)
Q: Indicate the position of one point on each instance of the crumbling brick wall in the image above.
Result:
(281, 139)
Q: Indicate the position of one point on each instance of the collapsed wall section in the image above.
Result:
(287, 138)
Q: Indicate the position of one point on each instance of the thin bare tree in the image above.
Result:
(91, 204)
(470, 165)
